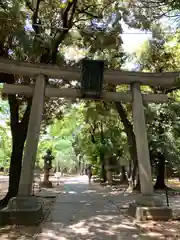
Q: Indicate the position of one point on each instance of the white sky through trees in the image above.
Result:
(132, 40)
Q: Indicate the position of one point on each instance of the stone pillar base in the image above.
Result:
(22, 211)
(46, 184)
(149, 208)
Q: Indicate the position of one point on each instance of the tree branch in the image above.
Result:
(35, 22)
(172, 89)
(88, 13)
(3, 5)
(29, 5)
(67, 25)
(165, 91)
(70, 22)
(92, 131)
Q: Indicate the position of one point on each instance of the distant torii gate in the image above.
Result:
(39, 91)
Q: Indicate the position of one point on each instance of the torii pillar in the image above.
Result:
(25, 208)
(147, 206)
(30, 151)
(141, 141)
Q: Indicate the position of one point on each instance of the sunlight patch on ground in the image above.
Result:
(70, 192)
(161, 230)
(98, 227)
(80, 228)
(50, 235)
(90, 191)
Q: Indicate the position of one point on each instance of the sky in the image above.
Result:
(133, 38)
(132, 41)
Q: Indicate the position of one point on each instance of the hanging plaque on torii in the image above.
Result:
(92, 78)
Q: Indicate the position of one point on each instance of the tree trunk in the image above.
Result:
(137, 187)
(123, 179)
(109, 177)
(130, 138)
(102, 157)
(134, 181)
(103, 170)
(160, 183)
(19, 132)
(14, 170)
(134, 173)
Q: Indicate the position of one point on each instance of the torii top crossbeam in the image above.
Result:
(116, 77)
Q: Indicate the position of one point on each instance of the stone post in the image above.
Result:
(27, 173)
(141, 141)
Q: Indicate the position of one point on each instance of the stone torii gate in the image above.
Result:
(24, 201)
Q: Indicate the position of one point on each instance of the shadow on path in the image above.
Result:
(81, 212)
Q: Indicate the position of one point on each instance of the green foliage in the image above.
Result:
(5, 146)
(5, 135)
(149, 11)
(161, 54)
(60, 136)
(101, 133)
(86, 129)
(163, 119)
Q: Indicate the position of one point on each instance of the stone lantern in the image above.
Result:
(47, 167)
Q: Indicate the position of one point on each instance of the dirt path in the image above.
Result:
(83, 212)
